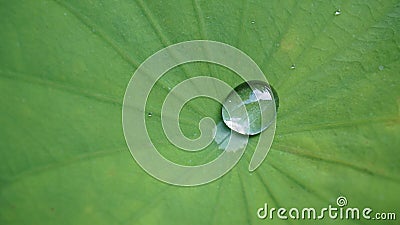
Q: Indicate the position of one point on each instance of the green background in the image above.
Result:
(64, 67)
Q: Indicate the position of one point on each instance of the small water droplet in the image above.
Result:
(293, 66)
(150, 114)
(65, 14)
(253, 22)
(93, 30)
(253, 112)
(337, 12)
(381, 67)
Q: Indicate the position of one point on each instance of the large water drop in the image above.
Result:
(253, 112)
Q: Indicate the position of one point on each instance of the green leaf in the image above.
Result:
(64, 67)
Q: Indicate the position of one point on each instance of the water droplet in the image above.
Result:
(293, 66)
(337, 12)
(253, 112)
(253, 22)
(65, 14)
(150, 114)
(93, 30)
(381, 67)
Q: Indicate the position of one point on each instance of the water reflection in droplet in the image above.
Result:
(253, 112)
(222, 136)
